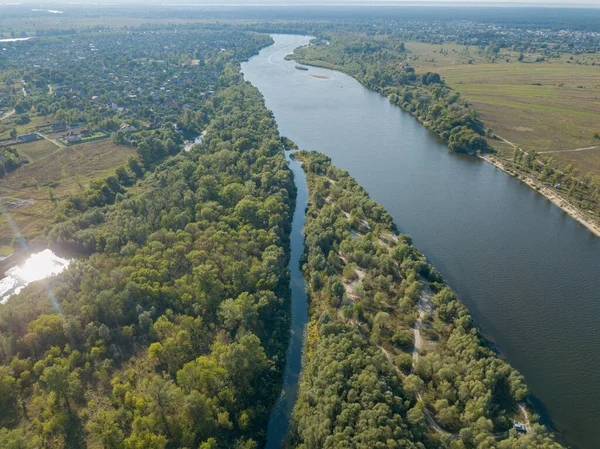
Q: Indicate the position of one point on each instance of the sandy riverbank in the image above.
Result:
(549, 193)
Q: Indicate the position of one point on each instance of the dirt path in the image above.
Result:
(54, 141)
(525, 422)
(569, 151)
(425, 306)
(431, 421)
(7, 115)
(549, 193)
(505, 141)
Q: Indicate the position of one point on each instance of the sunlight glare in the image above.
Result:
(40, 266)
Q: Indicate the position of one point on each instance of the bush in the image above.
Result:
(404, 362)
(404, 340)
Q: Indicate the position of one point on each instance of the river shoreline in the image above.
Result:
(282, 410)
(573, 211)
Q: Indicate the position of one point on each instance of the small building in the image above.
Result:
(71, 137)
(85, 133)
(126, 128)
(28, 137)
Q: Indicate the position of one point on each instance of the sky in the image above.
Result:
(563, 3)
(449, 2)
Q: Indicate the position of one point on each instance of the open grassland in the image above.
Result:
(37, 151)
(544, 106)
(25, 193)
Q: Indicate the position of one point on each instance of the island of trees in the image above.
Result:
(393, 359)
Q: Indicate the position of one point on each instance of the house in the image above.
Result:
(71, 137)
(126, 128)
(28, 137)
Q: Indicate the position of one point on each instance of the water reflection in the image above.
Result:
(37, 266)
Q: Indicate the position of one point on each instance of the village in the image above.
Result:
(122, 85)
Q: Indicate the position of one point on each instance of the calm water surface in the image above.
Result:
(281, 413)
(529, 273)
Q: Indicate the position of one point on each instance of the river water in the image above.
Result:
(281, 413)
(529, 274)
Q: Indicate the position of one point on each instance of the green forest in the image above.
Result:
(172, 332)
(392, 358)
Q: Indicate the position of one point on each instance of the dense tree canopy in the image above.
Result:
(172, 332)
(380, 311)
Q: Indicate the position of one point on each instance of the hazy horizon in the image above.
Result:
(242, 3)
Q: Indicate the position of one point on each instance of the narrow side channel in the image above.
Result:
(281, 413)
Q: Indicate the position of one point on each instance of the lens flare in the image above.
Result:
(40, 266)
(37, 267)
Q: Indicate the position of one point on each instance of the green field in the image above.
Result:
(546, 106)
(37, 151)
(61, 170)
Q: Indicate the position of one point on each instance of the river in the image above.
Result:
(529, 274)
(281, 413)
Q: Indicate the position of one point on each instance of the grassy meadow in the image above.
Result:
(543, 106)
(26, 194)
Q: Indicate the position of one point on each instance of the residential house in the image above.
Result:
(71, 137)
(126, 128)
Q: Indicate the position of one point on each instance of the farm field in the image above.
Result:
(25, 193)
(37, 151)
(545, 106)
